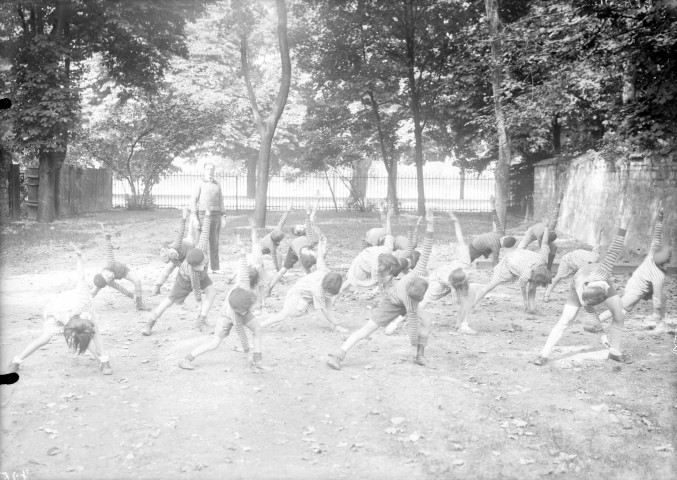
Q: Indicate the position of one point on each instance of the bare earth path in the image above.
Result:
(479, 410)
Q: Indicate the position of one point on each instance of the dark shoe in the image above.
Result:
(420, 360)
(13, 367)
(540, 361)
(105, 368)
(334, 362)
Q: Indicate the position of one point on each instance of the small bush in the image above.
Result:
(139, 202)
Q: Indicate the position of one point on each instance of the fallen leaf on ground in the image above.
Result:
(53, 451)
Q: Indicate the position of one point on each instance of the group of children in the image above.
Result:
(396, 269)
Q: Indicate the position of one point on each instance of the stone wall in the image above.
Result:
(594, 190)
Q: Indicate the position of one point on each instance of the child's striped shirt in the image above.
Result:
(187, 271)
(398, 293)
(519, 265)
(595, 272)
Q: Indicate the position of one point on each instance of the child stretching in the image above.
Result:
(192, 275)
(315, 291)
(450, 279)
(537, 232)
(300, 250)
(236, 311)
(70, 315)
(374, 266)
(646, 282)
(270, 242)
(175, 253)
(527, 267)
(490, 243)
(115, 270)
(591, 286)
(402, 299)
(572, 262)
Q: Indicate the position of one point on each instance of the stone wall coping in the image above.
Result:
(618, 268)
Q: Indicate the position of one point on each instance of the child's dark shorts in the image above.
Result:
(387, 311)
(291, 259)
(182, 287)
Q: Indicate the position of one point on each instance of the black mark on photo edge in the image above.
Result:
(9, 378)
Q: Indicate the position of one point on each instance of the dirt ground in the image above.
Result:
(478, 410)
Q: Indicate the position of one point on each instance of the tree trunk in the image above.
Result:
(267, 127)
(359, 180)
(461, 184)
(251, 176)
(5, 163)
(47, 186)
(261, 197)
(502, 172)
(415, 106)
(629, 75)
(392, 185)
(391, 165)
(556, 133)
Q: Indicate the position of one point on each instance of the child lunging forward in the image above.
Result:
(175, 253)
(374, 266)
(192, 276)
(490, 243)
(591, 286)
(300, 250)
(647, 282)
(402, 299)
(70, 315)
(236, 311)
(315, 291)
(537, 233)
(452, 279)
(527, 268)
(572, 262)
(115, 270)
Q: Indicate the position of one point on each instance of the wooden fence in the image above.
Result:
(80, 190)
(84, 190)
(14, 192)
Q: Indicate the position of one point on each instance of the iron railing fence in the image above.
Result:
(452, 192)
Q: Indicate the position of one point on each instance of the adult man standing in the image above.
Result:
(208, 195)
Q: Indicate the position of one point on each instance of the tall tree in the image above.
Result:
(51, 38)
(139, 139)
(502, 171)
(265, 126)
(350, 89)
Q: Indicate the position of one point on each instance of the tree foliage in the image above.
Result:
(138, 139)
(50, 39)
